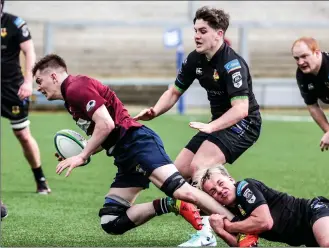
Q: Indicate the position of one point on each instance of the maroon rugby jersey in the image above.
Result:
(84, 95)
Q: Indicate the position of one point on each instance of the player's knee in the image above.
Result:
(114, 219)
(172, 184)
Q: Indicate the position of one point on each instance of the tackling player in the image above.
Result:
(236, 122)
(16, 89)
(273, 215)
(313, 81)
(138, 151)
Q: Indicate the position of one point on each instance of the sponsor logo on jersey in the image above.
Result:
(241, 186)
(216, 76)
(310, 86)
(232, 65)
(237, 79)
(19, 22)
(25, 31)
(198, 71)
(249, 195)
(90, 105)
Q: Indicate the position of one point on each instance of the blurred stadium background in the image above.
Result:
(121, 44)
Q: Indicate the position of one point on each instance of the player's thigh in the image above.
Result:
(183, 162)
(128, 182)
(129, 194)
(185, 157)
(236, 140)
(320, 220)
(209, 154)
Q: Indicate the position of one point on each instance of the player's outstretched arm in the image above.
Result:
(260, 220)
(104, 125)
(236, 113)
(165, 102)
(319, 116)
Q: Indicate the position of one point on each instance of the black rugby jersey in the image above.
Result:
(225, 77)
(290, 214)
(14, 31)
(314, 87)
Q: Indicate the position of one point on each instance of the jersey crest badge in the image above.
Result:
(327, 84)
(243, 213)
(15, 110)
(216, 76)
(310, 86)
(3, 32)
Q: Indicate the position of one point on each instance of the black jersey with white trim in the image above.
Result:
(225, 77)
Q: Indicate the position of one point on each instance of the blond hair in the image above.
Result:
(203, 175)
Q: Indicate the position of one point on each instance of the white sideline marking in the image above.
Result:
(287, 118)
(265, 117)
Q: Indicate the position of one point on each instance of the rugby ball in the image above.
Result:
(69, 143)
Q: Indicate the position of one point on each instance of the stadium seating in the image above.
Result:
(139, 52)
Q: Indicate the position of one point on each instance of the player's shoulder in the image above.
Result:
(192, 58)
(243, 184)
(326, 55)
(231, 59)
(15, 20)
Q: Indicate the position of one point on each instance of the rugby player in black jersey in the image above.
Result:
(313, 81)
(273, 215)
(236, 122)
(16, 89)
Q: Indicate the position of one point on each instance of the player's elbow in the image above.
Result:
(243, 110)
(266, 224)
(106, 126)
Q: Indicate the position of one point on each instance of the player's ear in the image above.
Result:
(220, 34)
(54, 77)
(317, 53)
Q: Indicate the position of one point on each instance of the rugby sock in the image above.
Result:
(38, 174)
(163, 205)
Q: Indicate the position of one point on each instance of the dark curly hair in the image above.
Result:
(216, 18)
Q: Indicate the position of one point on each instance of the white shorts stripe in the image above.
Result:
(22, 125)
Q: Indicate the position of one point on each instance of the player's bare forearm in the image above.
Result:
(319, 117)
(104, 125)
(236, 113)
(251, 225)
(167, 101)
(30, 57)
(101, 132)
(99, 149)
